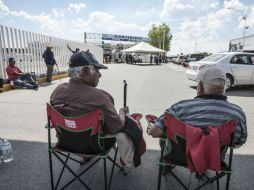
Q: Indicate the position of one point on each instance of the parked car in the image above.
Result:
(170, 59)
(195, 57)
(181, 59)
(239, 67)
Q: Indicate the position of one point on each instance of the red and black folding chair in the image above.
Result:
(83, 137)
(178, 156)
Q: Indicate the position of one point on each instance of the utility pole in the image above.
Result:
(244, 17)
(84, 37)
(196, 47)
(245, 27)
(163, 42)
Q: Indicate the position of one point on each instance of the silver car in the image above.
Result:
(239, 67)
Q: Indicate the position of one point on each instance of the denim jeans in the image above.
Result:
(25, 81)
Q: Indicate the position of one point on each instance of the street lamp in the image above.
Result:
(244, 17)
(245, 27)
(163, 42)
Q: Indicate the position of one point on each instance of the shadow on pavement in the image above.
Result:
(193, 87)
(46, 84)
(30, 170)
(144, 64)
(243, 91)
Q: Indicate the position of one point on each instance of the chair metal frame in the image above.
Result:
(227, 171)
(63, 156)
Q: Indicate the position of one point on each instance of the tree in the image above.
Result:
(160, 36)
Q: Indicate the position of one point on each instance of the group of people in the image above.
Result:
(157, 59)
(133, 59)
(27, 80)
(209, 108)
(17, 77)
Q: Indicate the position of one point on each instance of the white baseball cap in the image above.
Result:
(212, 74)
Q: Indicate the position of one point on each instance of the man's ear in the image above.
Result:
(200, 88)
(85, 72)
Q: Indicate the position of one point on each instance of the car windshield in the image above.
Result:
(214, 58)
(193, 56)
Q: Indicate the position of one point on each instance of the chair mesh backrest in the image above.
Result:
(77, 134)
(176, 133)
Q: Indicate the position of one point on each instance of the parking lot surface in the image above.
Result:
(151, 89)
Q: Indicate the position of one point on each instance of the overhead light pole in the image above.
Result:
(163, 42)
(245, 28)
(244, 17)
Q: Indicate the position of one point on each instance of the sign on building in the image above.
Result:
(115, 37)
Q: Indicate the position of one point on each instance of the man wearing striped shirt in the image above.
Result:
(209, 108)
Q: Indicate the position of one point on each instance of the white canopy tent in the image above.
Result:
(143, 47)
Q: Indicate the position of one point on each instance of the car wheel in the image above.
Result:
(229, 82)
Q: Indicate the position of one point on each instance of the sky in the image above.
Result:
(196, 25)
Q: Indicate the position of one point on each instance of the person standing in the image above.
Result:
(151, 59)
(50, 61)
(76, 51)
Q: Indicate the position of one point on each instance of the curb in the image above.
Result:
(7, 87)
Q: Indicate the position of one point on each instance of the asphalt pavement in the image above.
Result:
(151, 89)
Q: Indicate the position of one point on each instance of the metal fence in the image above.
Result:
(27, 47)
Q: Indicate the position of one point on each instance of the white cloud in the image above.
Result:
(76, 7)
(145, 13)
(3, 8)
(55, 23)
(185, 8)
(58, 12)
(234, 4)
(203, 24)
(250, 18)
(109, 24)
(238, 8)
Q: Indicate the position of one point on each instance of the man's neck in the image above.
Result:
(80, 82)
(212, 96)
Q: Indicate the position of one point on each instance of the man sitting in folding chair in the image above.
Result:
(209, 108)
(80, 96)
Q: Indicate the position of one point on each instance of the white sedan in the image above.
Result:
(239, 67)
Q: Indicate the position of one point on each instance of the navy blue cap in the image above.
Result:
(12, 59)
(85, 58)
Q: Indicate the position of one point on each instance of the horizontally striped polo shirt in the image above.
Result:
(209, 110)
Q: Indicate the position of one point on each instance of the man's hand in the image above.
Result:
(124, 110)
(23, 74)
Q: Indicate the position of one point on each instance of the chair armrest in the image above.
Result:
(150, 119)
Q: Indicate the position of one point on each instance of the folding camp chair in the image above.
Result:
(82, 137)
(175, 135)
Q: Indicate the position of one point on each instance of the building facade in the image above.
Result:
(237, 44)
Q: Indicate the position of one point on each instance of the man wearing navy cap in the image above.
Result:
(80, 96)
(18, 77)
